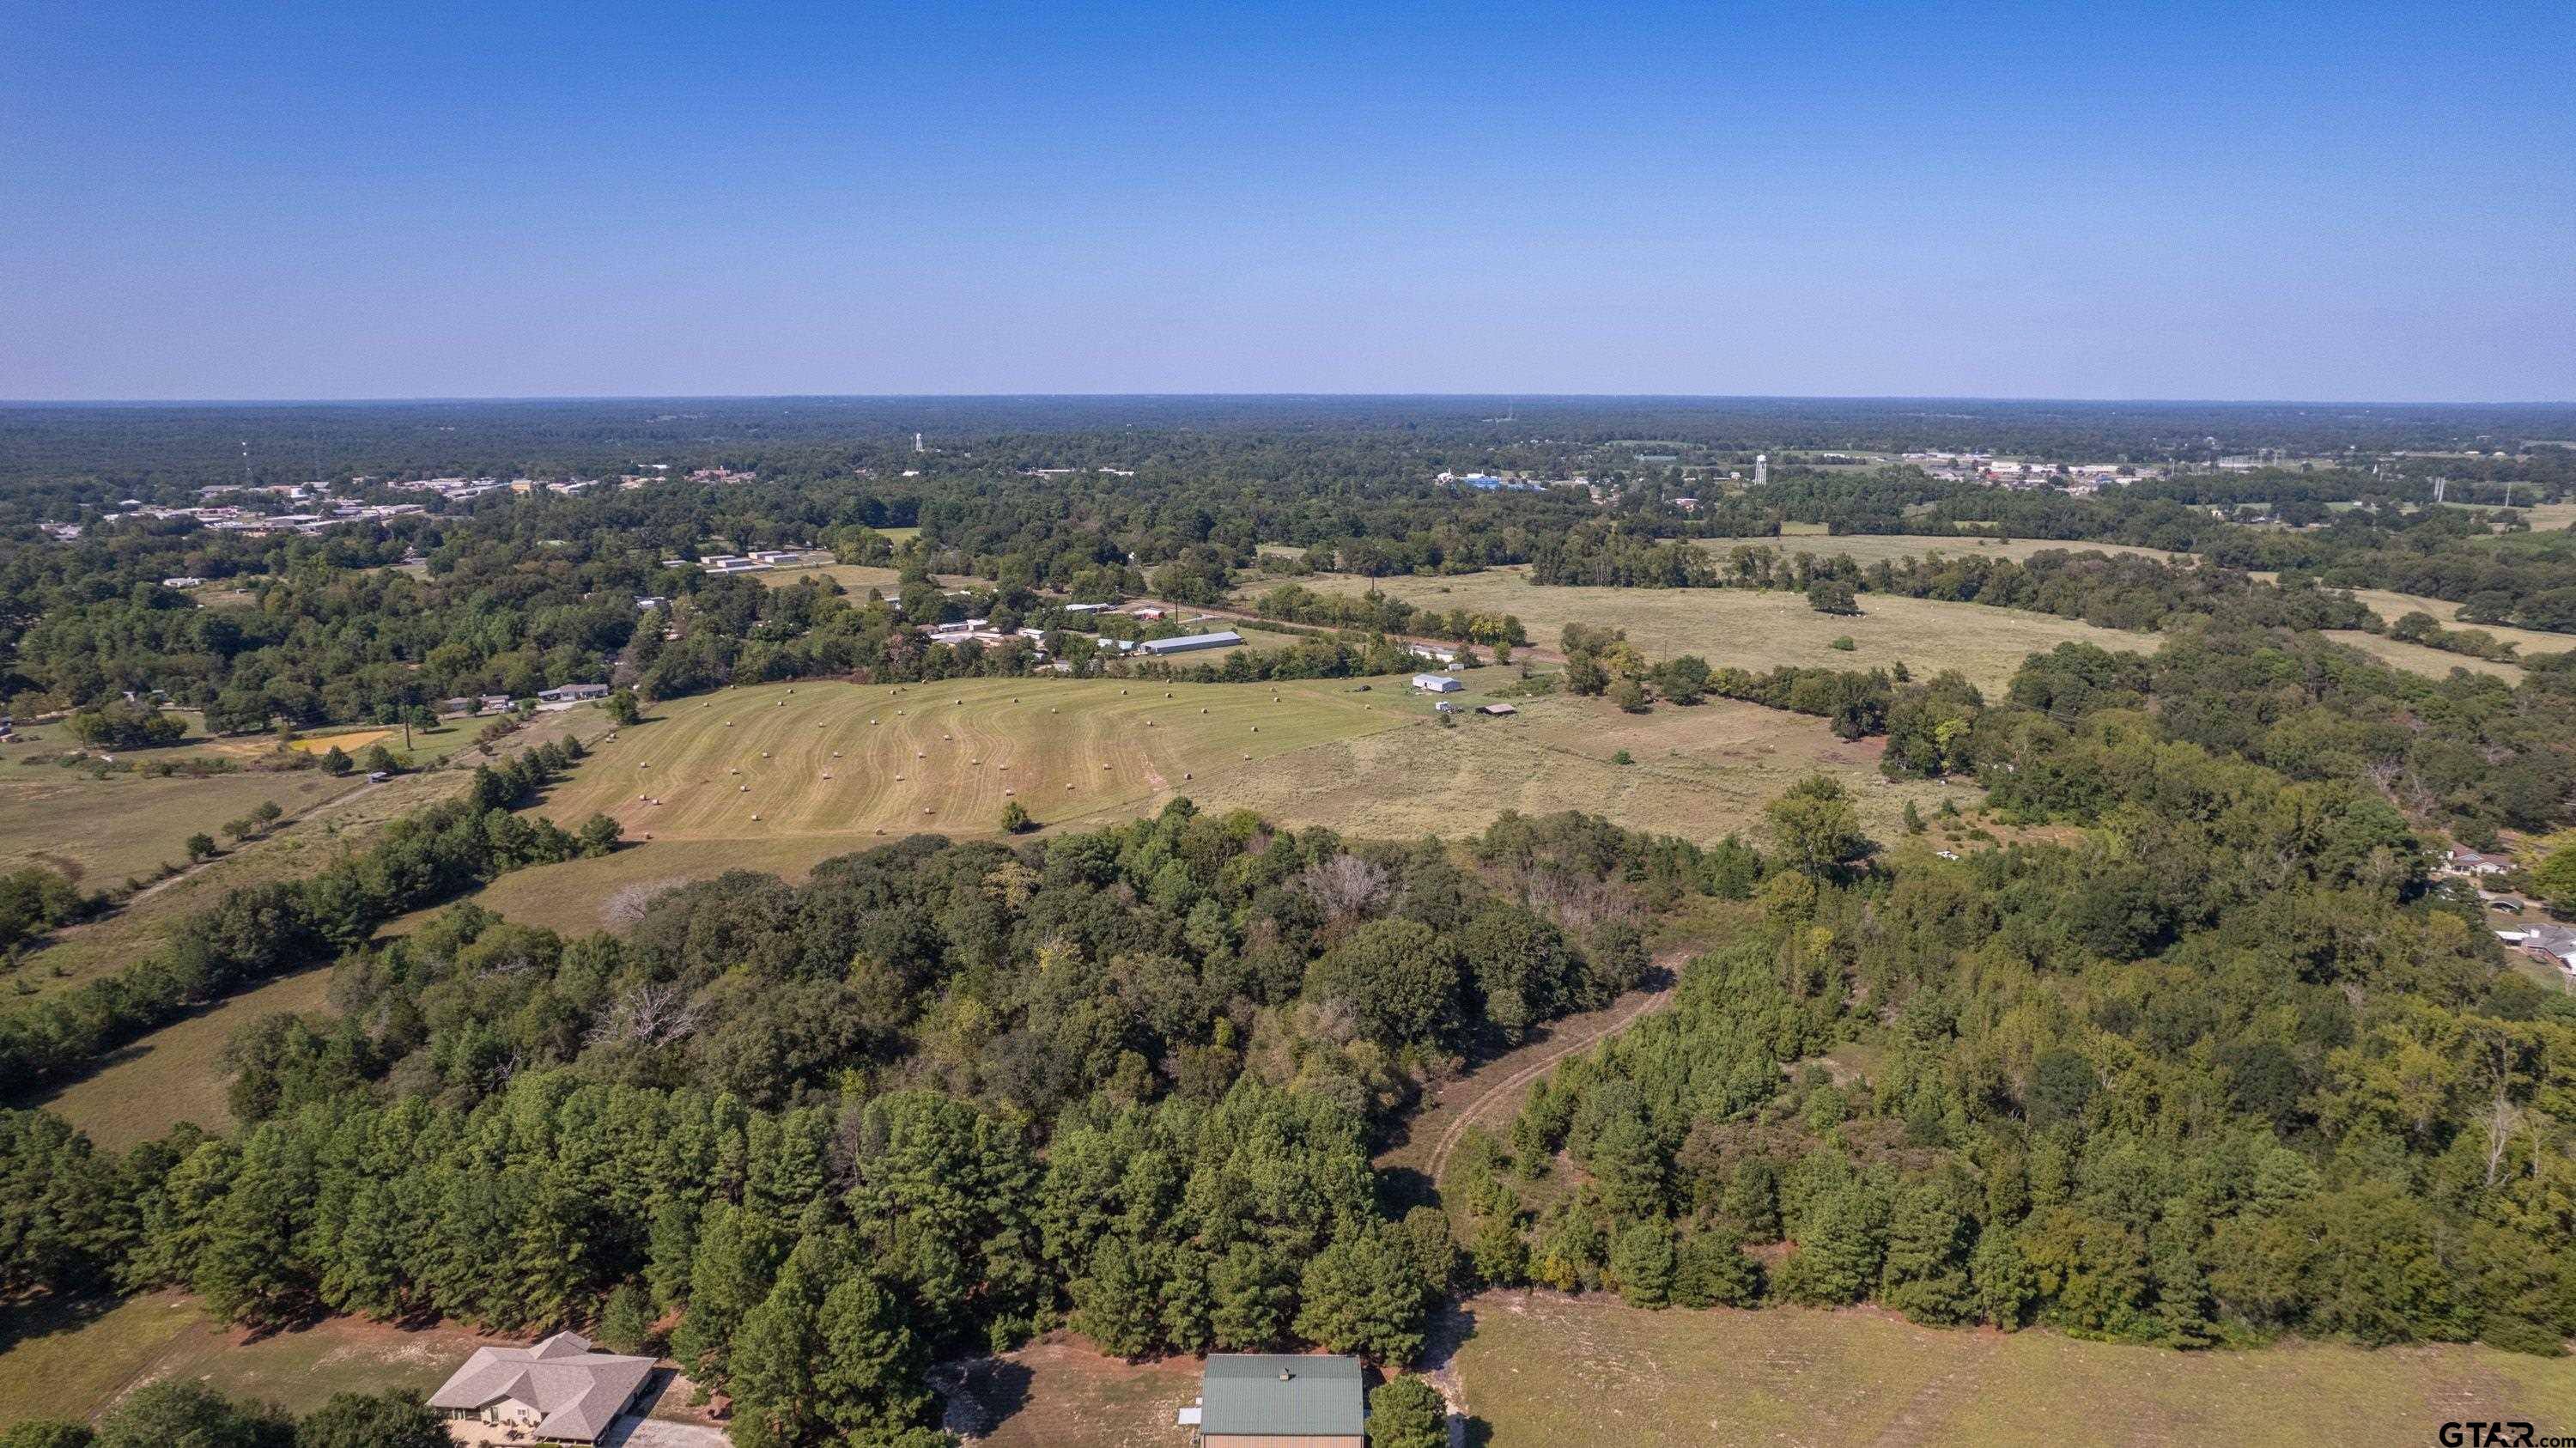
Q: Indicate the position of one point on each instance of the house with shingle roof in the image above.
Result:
(558, 1391)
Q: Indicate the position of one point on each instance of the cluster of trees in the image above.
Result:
(33, 900)
(2419, 627)
(2222, 1073)
(1162, 957)
(2474, 754)
(1383, 613)
(2125, 591)
(1929, 725)
(192, 1415)
(258, 931)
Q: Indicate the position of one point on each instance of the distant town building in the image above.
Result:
(1188, 643)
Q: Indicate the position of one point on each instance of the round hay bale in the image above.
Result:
(755, 818)
(1185, 774)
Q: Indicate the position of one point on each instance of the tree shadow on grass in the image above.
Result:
(985, 1394)
(46, 1314)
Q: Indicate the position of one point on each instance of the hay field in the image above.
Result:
(1895, 547)
(1543, 1370)
(1701, 773)
(348, 741)
(848, 761)
(1753, 630)
(1371, 763)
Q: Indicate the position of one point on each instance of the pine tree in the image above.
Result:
(774, 1352)
(1251, 1299)
(1712, 1271)
(1641, 1264)
(626, 1323)
(1407, 1413)
(1925, 1274)
(869, 1377)
(1114, 1301)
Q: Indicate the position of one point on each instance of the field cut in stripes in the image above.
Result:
(846, 759)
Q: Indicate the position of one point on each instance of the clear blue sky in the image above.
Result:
(2315, 201)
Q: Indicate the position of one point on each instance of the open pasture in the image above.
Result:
(100, 831)
(2417, 659)
(1368, 764)
(1758, 630)
(2392, 606)
(844, 763)
(1540, 1369)
(1870, 548)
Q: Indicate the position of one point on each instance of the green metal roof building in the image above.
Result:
(1254, 1400)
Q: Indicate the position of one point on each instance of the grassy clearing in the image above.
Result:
(77, 1360)
(100, 831)
(2544, 517)
(2417, 659)
(1895, 547)
(2393, 606)
(858, 578)
(1060, 1394)
(347, 741)
(1545, 1370)
(300, 847)
(1753, 630)
(177, 1073)
(1701, 773)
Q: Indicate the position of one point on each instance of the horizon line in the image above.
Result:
(1246, 396)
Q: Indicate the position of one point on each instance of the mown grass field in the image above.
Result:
(74, 1360)
(1371, 763)
(1756, 630)
(1541, 1371)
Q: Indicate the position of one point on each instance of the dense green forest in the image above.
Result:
(2225, 1070)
